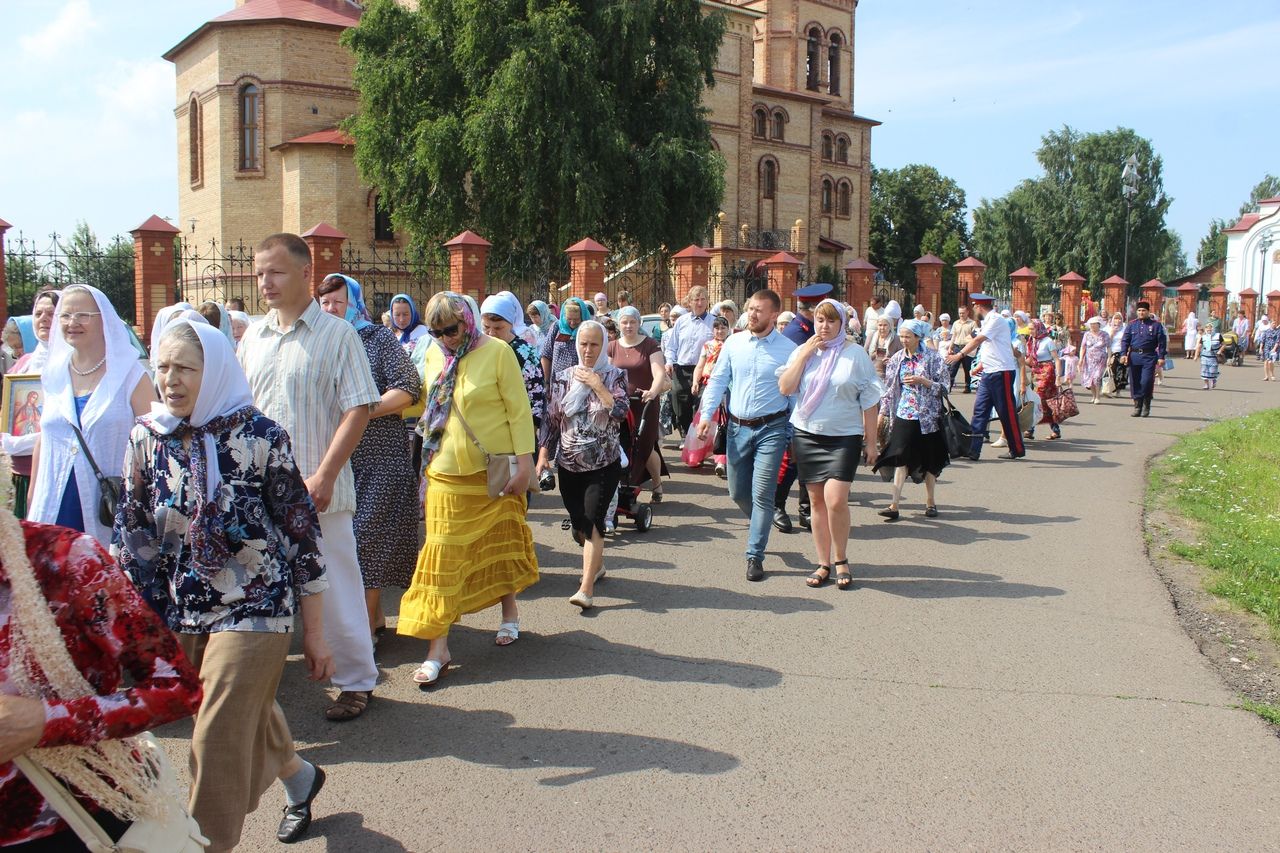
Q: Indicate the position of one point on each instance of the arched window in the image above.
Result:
(758, 121)
(826, 145)
(768, 178)
(776, 130)
(826, 195)
(250, 128)
(195, 142)
(843, 199)
(383, 230)
(811, 59)
(833, 65)
(842, 149)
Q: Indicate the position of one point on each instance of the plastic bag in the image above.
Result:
(695, 449)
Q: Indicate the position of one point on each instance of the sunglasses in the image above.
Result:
(446, 332)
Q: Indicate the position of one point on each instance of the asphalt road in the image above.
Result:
(1009, 675)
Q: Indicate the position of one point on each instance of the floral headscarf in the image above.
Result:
(440, 394)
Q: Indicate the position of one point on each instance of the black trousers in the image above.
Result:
(787, 475)
(966, 362)
(683, 401)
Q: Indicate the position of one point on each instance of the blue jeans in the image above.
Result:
(754, 456)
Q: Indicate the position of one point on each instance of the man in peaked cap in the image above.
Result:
(797, 331)
(1143, 346)
(994, 345)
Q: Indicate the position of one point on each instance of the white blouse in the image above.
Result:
(852, 389)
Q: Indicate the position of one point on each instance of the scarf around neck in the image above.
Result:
(440, 394)
(828, 354)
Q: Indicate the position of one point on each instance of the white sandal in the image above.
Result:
(430, 671)
(508, 633)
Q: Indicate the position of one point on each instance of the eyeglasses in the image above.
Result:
(78, 316)
(446, 332)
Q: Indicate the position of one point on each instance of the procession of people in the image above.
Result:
(261, 478)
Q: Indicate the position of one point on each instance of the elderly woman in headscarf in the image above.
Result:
(542, 321)
(559, 350)
(386, 482)
(894, 312)
(916, 379)
(1207, 347)
(217, 531)
(94, 387)
(406, 322)
(217, 316)
(163, 316)
(479, 550)
(640, 356)
(882, 343)
(239, 325)
(87, 667)
(587, 406)
(501, 317)
(21, 446)
(14, 344)
(1044, 360)
(838, 405)
(1095, 345)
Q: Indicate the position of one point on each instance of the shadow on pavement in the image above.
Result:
(937, 582)
(661, 597)
(349, 826)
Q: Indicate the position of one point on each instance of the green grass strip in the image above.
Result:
(1226, 480)
(1270, 713)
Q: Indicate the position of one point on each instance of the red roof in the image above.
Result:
(1025, 272)
(324, 13)
(971, 262)
(783, 258)
(1275, 199)
(1115, 279)
(1153, 284)
(332, 136)
(587, 245)
(468, 238)
(4, 224)
(1070, 277)
(861, 264)
(692, 251)
(324, 229)
(1245, 223)
(929, 259)
(155, 223)
(1248, 291)
(1189, 287)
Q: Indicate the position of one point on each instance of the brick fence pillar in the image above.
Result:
(1024, 290)
(1218, 307)
(4, 285)
(783, 270)
(1113, 290)
(1273, 306)
(325, 243)
(1249, 305)
(1153, 292)
(1188, 296)
(692, 264)
(154, 277)
(929, 283)
(586, 268)
(468, 258)
(1071, 286)
(969, 273)
(859, 282)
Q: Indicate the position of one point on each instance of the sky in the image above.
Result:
(87, 128)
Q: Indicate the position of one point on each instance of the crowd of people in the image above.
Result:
(188, 507)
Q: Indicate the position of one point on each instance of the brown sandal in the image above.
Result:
(349, 705)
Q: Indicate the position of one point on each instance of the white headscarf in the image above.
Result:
(40, 355)
(505, 305)
(224, 390)
(163, 316)
(579, 394)
(224, 318)
(122, 359)
(894, 312)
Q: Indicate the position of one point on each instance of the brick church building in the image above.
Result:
(262, 89)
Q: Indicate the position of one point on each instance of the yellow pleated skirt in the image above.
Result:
(477, 550)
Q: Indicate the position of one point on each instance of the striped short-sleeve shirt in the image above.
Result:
(305, 378)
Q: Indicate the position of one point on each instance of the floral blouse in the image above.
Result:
(588, 440)
(106, 629)
(923, 404)
(266, 530)
(531, 373)
(559, 349)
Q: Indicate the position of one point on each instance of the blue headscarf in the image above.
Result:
(547, 319)
(357, 313)
(27, 328)
(414, 320)
(920, 329)
(587, 314)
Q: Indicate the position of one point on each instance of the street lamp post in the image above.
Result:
(1129, 189)
(1264, 243)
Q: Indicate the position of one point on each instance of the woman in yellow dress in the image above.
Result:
(478, 551)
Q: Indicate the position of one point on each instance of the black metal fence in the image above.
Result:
(32, 266)
(217, 272)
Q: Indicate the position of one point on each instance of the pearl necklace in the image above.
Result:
(78, 372)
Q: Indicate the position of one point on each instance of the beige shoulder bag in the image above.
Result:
(500, 469)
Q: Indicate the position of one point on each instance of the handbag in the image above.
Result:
(956, 431)
(1108, 383)
(1063, 406)
(108, 487)
(1027, 416)
(498, 468)
(720, 446)
(174, 832)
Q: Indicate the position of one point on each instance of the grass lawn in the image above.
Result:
(1225, 479)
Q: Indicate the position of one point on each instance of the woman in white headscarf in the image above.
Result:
(20, 447)
(94, 385)
(239, 325)
(163, 317)
(894, 312)
(218, 533)
(587, 406)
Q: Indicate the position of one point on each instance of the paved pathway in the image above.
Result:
(1008, 676)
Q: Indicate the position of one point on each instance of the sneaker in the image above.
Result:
(720, 470)
(1000, 442)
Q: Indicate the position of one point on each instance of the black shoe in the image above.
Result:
(1137, 411)
(804, 520)
(297, 819)
(781, 520)
(1146, 408)
(755, 571)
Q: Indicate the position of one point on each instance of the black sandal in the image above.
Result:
(818, 579)
(844, 580)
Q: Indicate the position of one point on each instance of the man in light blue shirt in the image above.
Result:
(682, 347)
(758, 430)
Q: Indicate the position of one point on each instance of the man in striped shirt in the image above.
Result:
(309, 373)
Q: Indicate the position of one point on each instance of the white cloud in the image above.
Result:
(68, 29)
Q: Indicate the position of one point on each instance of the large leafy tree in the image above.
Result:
(539, 122)
(1213, 245)
(1073, 216)
(915, 210)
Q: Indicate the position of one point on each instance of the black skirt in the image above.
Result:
(587, 495)
(920, 453)
(826, 457)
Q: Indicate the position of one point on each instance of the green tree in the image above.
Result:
(1073, 216)
(1173, 260)
(539, 122)
(914, 210)
(1268, 187)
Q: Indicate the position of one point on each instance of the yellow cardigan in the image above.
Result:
(491, 395)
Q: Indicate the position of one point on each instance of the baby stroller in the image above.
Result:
(629, 505)
(1231, 349)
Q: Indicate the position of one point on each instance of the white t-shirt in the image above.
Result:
(852, 389)
(996, 352)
